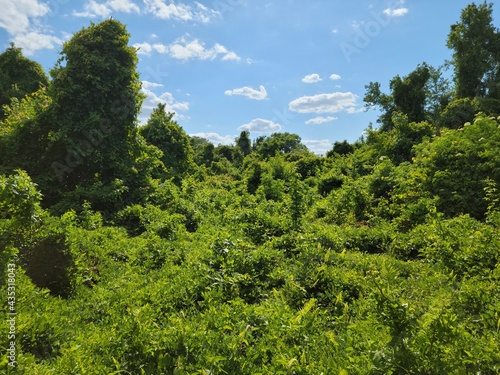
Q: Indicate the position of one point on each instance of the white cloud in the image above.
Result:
(215, 138)
(398, 12)
(324, 103)
(311, 78)
(231, 56)
(181, 12)
(146, 48)
(143, 48)
(15, 14)
(125, 6)
(161, 48)
(147, 84)
(320, 120)
(260, 125)
(318, 146)
(335, 77)
(249, 92)
(34, 41)
(152, 100)
(93, 9)
(184, 50)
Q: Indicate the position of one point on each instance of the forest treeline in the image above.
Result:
(142, 250)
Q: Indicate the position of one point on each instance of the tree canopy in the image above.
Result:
(475, 42)
(19, 76)
(164, 133)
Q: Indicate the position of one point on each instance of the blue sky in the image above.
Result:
(265, 66)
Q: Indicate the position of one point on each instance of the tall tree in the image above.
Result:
(19, 76)
(164, 133)
(408, 95)
(243, 142)
(476, 57)
(96, 95)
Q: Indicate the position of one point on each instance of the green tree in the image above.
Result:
(439, 94)
(340, 148)
(458, 164)
(457, 113)
(19, 214)
(279, 143)
(24, 132)
(408, 96)
(243, 142)
(409, 93)
(96, 96)
(198, 144)
(208, 154)
(19, 76)
(476, 52)
(164, 133)
(405, 135)
(225, 152)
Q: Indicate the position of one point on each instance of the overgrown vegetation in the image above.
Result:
(143, 251)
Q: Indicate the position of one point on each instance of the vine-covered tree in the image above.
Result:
(340, 148)
(409, 93)
(19, 76)
(282, 143)
(163, 132)
(243, 143)
(96, 96)
(475, 42)
(408, 96)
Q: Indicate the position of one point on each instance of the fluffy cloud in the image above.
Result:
(249, 92)
(216, 138)
(182, 49)
(320, 120)
(311, 78)
(125, 6)
(143, 48)
(335, 77)
(93, 9)
(34, 41)
(15, 15)
(147, 84)
(260, 125)
(194, 49)
(147, 48)
(152, 100)
(324, 103)
(318, 146)
(398, 12)
(231, 56)
(181, 12)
